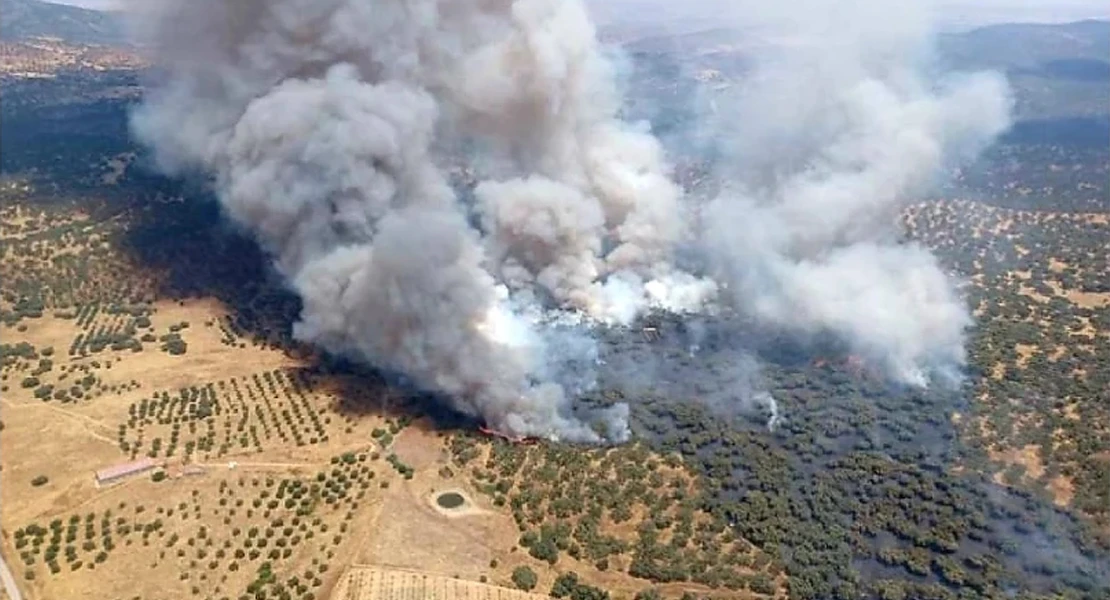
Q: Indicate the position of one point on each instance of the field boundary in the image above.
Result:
(377, 582)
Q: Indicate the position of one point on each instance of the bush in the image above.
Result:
(545, 549)
(39, 481)
(564, 585)
(762, 584)
(175, 346)
(158, 476)
(567, 585)
(524, 578)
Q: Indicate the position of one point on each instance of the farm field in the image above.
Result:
(378, 583)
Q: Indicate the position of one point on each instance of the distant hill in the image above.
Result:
(23, 19)
(1058, 71)
(1027, 46)
(1071, 50)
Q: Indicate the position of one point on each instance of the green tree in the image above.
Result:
(564, 585)
(524, 578)
(545, 549)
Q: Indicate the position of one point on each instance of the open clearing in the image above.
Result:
(380, 583)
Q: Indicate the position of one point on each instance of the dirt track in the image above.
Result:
(9, 581)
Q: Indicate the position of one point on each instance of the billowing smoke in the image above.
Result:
(329, 128)
(836, 127)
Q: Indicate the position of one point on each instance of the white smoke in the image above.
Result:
(328, 127)
(766, 400)
(835, 129)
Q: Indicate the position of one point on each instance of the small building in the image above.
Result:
(120, 472)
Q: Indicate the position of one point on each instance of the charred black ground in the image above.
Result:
(859, 481)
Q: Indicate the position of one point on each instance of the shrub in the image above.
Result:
(525, 578)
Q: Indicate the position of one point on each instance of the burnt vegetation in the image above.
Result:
(998, 489)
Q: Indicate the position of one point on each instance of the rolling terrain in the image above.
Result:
(135, 323)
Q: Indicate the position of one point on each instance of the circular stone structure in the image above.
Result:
(450, 500)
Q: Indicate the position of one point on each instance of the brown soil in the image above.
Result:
(383, 583)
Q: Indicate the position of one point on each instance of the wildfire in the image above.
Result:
(486, 431)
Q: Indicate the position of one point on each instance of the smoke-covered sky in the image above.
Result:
(449, 187)
(950, 13)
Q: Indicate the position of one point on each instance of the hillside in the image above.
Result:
(1057, 71)
(24, 19)
(163, 435)
(1028, 45)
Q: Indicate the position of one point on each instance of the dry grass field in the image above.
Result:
(273, 474)
(380, 583)
(141, 525)
(258, 427)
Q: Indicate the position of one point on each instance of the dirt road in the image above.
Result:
(9, 581)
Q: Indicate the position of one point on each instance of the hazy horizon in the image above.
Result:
(951, 14)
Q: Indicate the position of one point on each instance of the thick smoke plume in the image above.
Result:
(837, 127)
(330, 128)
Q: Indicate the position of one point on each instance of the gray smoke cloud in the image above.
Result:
(838, 125)
(329, 128)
